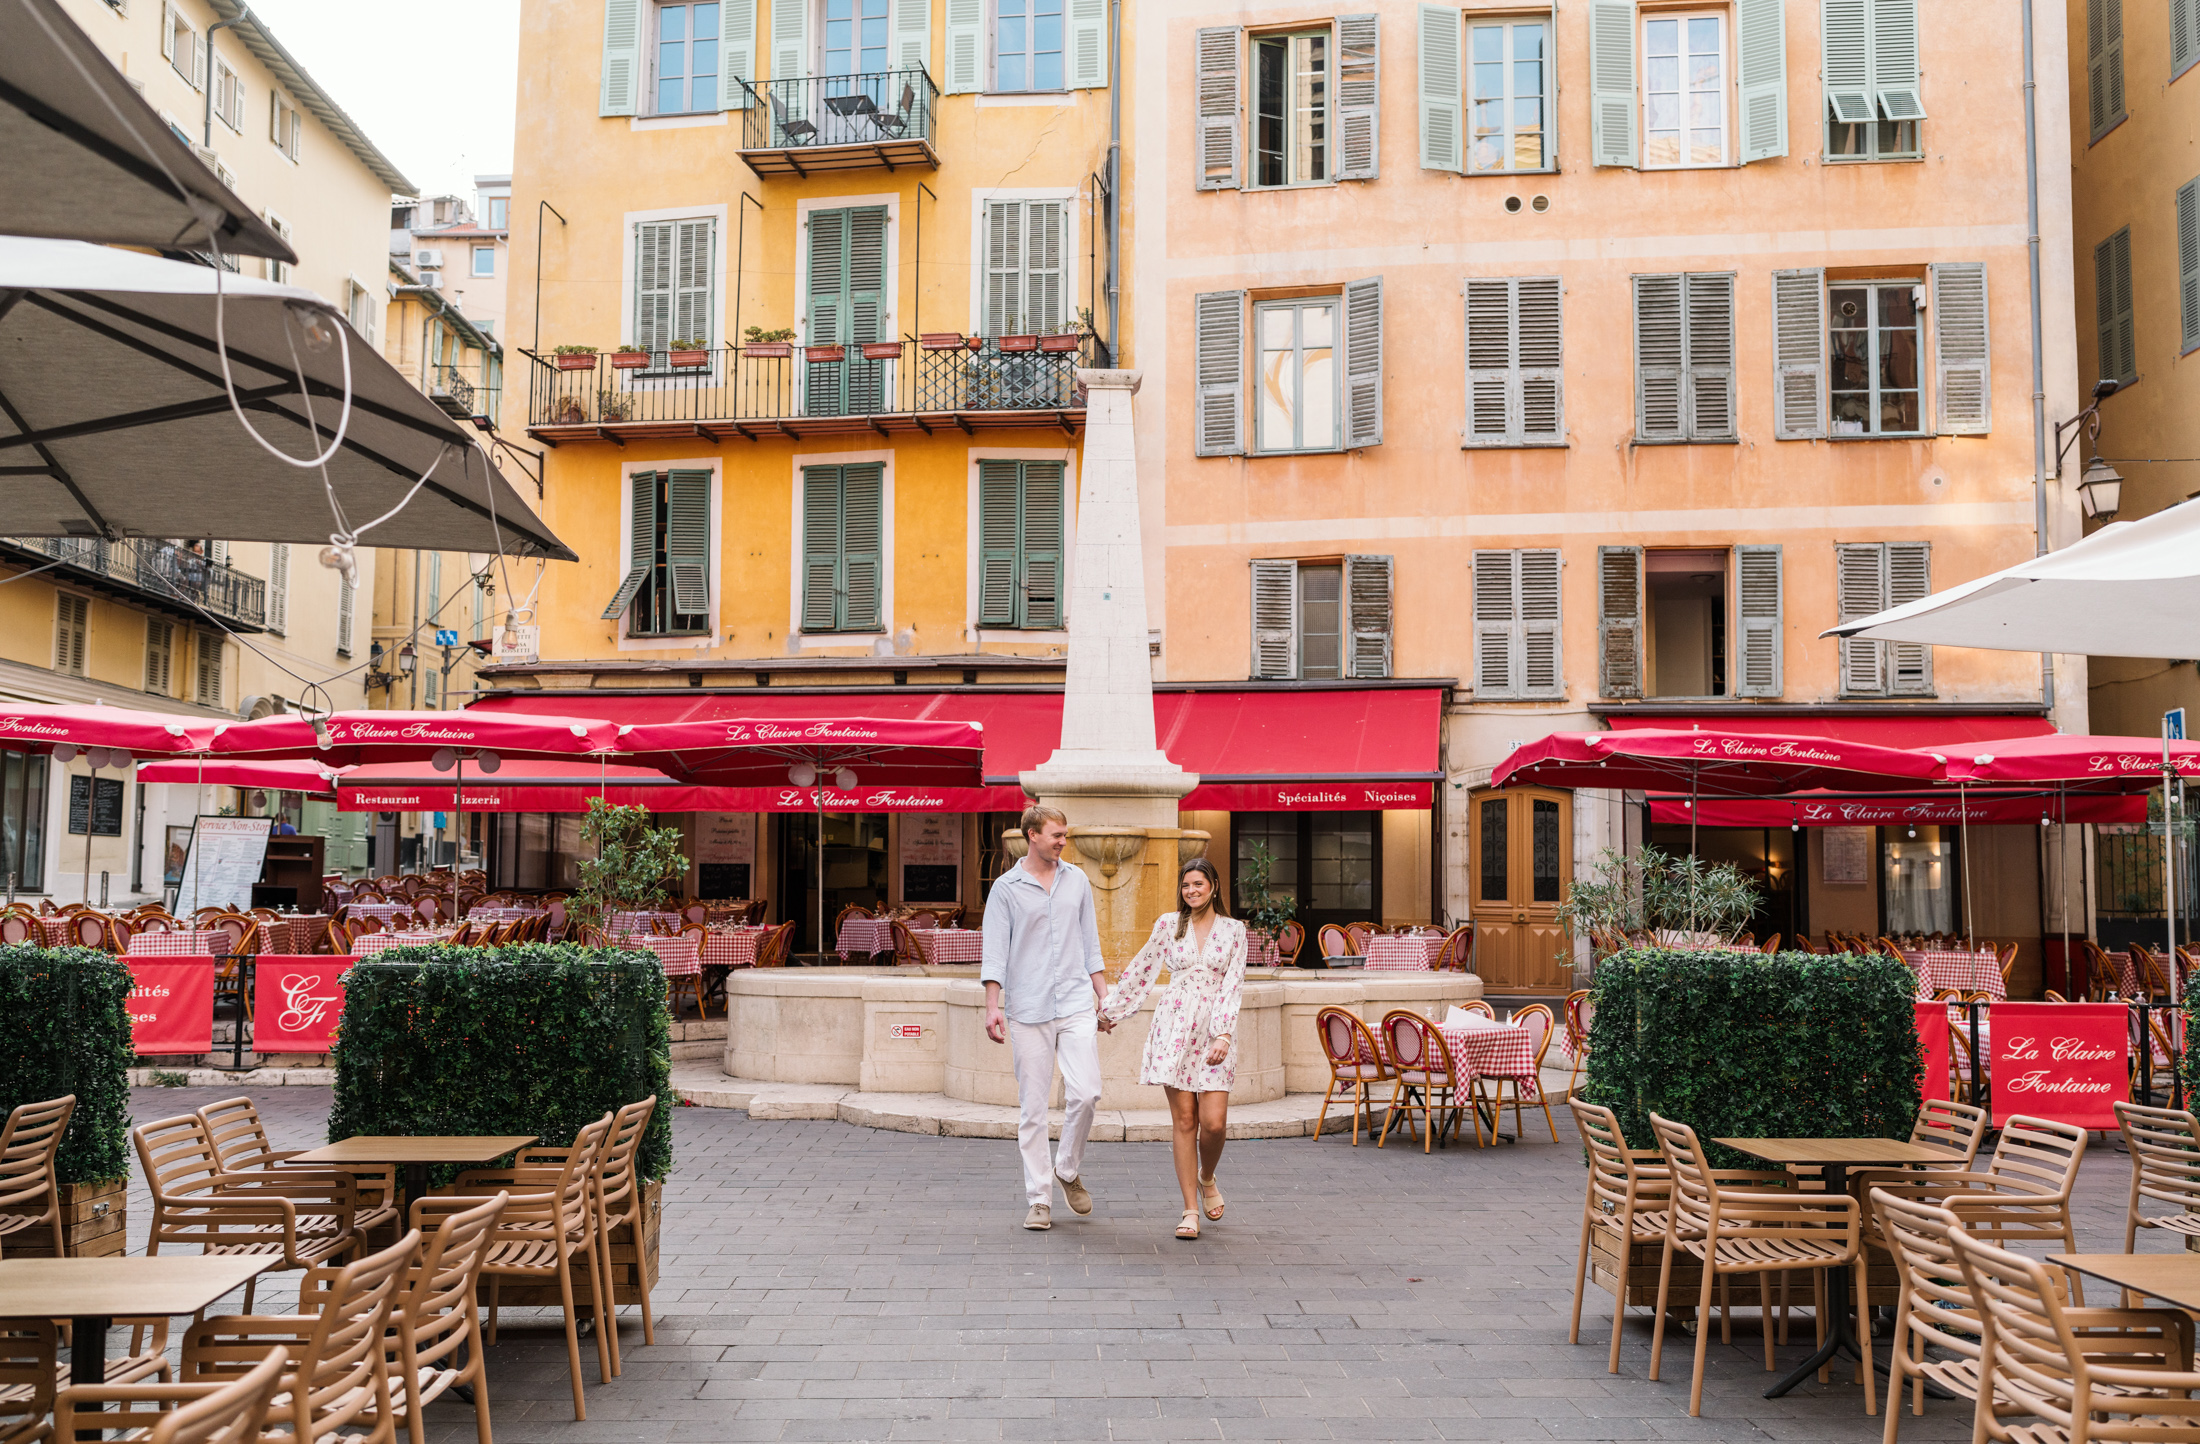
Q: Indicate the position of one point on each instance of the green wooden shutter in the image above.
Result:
(1496, 624)
(1368, 615)
(1895, 67)
(1216, 57)
(655, 244)
(1218, 325)
(1909, 579)
(999, 534)
(622, 57)
(1658, 339)
(2104, 64)
(1612, 82)
(862, 545)
(1359, 97)
(1710, 356)
(1846, 28)
(820, 548)
(1758, 607)
(965, 46)
(1087, 61)
(2117, 360)
(1760, 29)
(913, 35)
(1619, 621)
(641, 545)
(867, 304)
(1363, 362)
(790, 39)
(1798, 354)
(687, 541)
(1276, 620)
(1442, 93)
(737, 29)
(823, 394)
(1963, 358)
(1041, 543)
(2188, 264)
(2184, 35)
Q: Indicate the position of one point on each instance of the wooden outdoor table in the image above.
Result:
(2171, 1277)
(93, 1292)
(415, 1154)
(1835, 1156)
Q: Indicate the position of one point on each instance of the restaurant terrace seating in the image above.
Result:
(231, 1413)
(1628, 1196)
(1423, 1076)
(2164, 1144)
(1335, 942)
(619, 1206)
(1536, 1018)
(437, 1322)
(1355, 1066)
(28, 1375)
(247, 1156)
(1580, 1015)
(28, 1143)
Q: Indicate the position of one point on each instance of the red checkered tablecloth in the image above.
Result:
(206, 943)
(371, 943)
(866, 935)
(635, 923)
(53, 931)
(1403, 953)
(1260, 952)
(733, 947)
(380, 910)
(1493, 1051)
(1978, 972)
(293, 935)
(2127, 973)
(950, 945)
(680, 953)
(505, 915)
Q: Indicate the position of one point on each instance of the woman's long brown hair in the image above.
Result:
(1215, 902)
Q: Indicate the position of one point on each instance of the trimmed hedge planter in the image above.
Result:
(65, 1028)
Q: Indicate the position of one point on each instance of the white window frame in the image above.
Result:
(174, 26)
(654, 380)
(1871, 331)
(286, 126)
(1331, 138)
(359, 307)
(1336, 349)
(993, 49)
(230, 111)
(651, 48)
(491, 253)
(973, 578)
(686, 641)
(861, 641)
(1725, 17)
(278, 271)
(1549, 129)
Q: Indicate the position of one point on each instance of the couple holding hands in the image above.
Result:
(1046, 995)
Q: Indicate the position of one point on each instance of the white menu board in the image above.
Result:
(226, 856)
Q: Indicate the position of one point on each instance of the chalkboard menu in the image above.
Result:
(103, 808)
(929, 882)
(722, 879)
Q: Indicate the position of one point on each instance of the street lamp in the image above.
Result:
(2100, 490)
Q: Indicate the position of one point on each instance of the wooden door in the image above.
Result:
(1520, 865)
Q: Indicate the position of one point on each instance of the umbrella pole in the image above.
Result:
(2169, 901)
(1693, 809)
(91, 796)
(1963, 827)
(821, 865)
(198, 805)
(2062, 865)
(458, 819)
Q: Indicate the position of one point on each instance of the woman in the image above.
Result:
(1189, 1051)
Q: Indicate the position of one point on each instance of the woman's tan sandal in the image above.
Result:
(1210, 1193)
(1189, 1228)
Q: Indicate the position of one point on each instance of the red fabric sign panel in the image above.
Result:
(2064, 1061)
(171, 1004)
(1932, 1033)
(296, 1002)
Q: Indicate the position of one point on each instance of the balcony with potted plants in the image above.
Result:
(802, 127)
(773, 385)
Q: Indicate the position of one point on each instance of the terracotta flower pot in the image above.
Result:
(570, 361)
(1016, 343)
(1061, 343)
(630, 360)
(881, 350)
(689, 359)
(816, 354)
(942, 340)
(768, 350)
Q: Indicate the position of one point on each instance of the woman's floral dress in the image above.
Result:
(1199, 1005)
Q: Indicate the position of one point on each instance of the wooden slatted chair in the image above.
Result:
(231, 1413)
(1627, 1200)
(1423, 1076)
(28, 1143)
(2164, 1144)
(619, 1206)
(1734, 1230)
(307, 1223)
(436, 1320)
(246, 1154)
(28, 1379)
(1356, 1066)
(336, 1381)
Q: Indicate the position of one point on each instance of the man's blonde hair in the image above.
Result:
(1036, 817)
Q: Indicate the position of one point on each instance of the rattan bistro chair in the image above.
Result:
(1424, 1076)
(1355, 1067)
(1627, 1200)
(1536, 1018)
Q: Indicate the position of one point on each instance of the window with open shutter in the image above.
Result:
(1963, 361)
(1359, 97)
(160, 657)
(72, 626)
(1020, 543)
(737, 63)
(1684, 357)
(278, 588)
(1367, 600)
(1216, 58)
(1758, 609)
(1760, 32)
(1088, 44)
(1909, 579)
(965, 60)
(622, 57)
(208, 691)
(641, 543)
(1218, 324)
(2188, 264)
(1619, 621)
(913, 35)
(1363, 362)
(2117, 357)
(347, 614)
(687, 540)
(1441, 88)
(1799, 354)
(1276, 620)
(1612, 82)
(791, 38)
(1515, 361)
(2184, 35)
(2104, 64)
(843, 547)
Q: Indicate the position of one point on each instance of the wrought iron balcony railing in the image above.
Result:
(840, 122)
(161, 572)
(784, 387)
(450, 389)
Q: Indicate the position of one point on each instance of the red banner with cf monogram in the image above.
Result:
(2064, 1061)
(171, 1003)
(297, 1002)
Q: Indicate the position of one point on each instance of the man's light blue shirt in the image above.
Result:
(1041, 946)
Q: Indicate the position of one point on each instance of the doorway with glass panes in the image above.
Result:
(1329, 863)
(1520, 845)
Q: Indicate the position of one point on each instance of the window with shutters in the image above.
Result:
(2188, 264)
(843, 548)
(1516, 391)
(684, 59)
(853, 37)
(1665, 627)
(1027, 45)
(160, 657)
(1020, 543)
(1517, 652)
(675, 274)
(206, 689)
(71, 632)
(1685, 70)
(2116, 357)
(2104, 65)
(665, 589)
(1873, 347)
(285, 124)
(1853, 351)
(228, 95)
(1312, 102)
(278, 588)
(1871, 577)
(184, 46)
(1322, 620)
(1024, 248)
(844, 274)
(1295, 356)
(277, 271)
(1684, 357)
(1874, 101)
(1508, 97)
(1290, 109)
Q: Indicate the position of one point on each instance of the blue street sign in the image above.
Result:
(2173, 724)
(448, 637)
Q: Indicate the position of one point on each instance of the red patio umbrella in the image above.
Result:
(63, 732)
(1730, 764)
(312, 778)
(346, 739)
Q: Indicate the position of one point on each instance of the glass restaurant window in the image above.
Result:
(1918, 869)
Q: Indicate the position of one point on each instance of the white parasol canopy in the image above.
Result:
(2132, 589)
(114, 420)
(90, 159)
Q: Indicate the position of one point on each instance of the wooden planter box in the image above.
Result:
(629, 360)
(623, 1265)
(1016, 343)
(1060, 343)
(688, 358)
(568, 361)
(93, 1223)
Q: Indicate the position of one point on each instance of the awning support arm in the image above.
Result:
(60, 473)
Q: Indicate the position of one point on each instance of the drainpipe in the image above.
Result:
(1115, 173)
(2039, 381)
(243, 15)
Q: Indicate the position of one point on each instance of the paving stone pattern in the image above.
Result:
(828, 1282)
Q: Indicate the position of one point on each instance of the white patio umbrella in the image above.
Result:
(89, 159)
(115, 420)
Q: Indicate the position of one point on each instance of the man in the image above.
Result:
(1042, 962)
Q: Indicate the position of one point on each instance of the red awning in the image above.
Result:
(562, 785)
(1881, 729)
(2027, 808)
(1265, 751)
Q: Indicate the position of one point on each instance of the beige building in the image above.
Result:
(199, 625)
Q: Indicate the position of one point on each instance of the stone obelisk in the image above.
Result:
(1109, 775)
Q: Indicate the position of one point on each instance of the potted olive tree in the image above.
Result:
(634, 866)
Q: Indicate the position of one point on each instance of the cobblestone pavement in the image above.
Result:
(826, 1282)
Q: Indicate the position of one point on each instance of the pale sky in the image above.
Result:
(431, 82)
